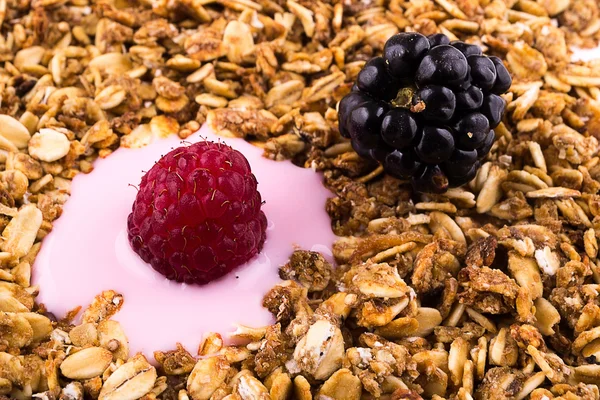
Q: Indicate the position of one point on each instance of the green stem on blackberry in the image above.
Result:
(404, 97)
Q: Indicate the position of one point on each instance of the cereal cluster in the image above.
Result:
(488, 291)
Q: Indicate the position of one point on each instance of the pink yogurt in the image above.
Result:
(88, 251)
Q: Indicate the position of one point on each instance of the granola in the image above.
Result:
(489, 291)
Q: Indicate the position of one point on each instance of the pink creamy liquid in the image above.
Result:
(88, 251)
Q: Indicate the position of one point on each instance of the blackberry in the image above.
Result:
(403, 52)
(442, 65)
(437, 39)
(375, 80)
(469, 99)
(466, 48)
(401, 164)
(426, 109)
(399, 128)
(471, 130)
(483, 72)
(439, 102)
(435, 145)
(493, 108)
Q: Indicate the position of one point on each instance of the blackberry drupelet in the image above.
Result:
(426, 109)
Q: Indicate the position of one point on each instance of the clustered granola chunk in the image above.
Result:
(489, 291)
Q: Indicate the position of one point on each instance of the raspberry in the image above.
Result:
(426, 110)
(197, 215)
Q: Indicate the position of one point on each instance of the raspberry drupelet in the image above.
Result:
(197, 215)
(426, 109)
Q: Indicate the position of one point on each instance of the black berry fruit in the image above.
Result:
(426, 109)
(439, 102)
(437, 39)
(469, 99)
(460, 162)
(455, 181)
(403, 52)
(376, 80)
(347, 104)
(399, 127)
(485, 148)
(503, 79)
(442, 65)
(364, 124)
(483, 72)
(401, 163)
(471, 131)
(430, 178)
(467, 49)
(435, 145)
(493, 107)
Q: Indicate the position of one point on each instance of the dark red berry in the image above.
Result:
(442, 65)
(399, 128)
(430, 179)
(403, 52)
(483, 72)
(493, 108)
(471, 131)
(197, 214)
(376, 80)
(503, 78)
(437, 39)
(439, 102)
(470, 99)
(466, 48)
(435, 145)
(401, 164)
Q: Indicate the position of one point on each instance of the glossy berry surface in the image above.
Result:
(439, 102)
(197, 215)
(437, 39)
(483, 72)
(436, 145)
(401, 164)
(443, 65)
(493, 107)
(425, 110)
(399, 128)
(471, 130)
(347, 104)
(469, 99)
(402, 53)
(467, 49)
(376, 80)
(503, 78)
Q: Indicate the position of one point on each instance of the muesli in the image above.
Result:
(489, 291)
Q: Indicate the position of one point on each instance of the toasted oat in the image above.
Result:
(49, 145)
(518, 283)
(87, 363)
(20, 233)
(130, 381)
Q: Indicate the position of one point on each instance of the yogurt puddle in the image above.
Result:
(87, 252)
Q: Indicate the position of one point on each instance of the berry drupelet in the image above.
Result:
(426, 109)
